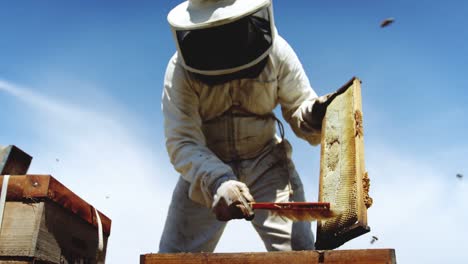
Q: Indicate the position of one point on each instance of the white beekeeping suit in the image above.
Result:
(230, 71)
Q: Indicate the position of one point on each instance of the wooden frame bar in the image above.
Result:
(365, 256)
(344, 182)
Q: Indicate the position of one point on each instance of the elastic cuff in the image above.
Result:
(226, 177)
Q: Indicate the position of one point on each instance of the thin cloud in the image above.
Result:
(37, 100)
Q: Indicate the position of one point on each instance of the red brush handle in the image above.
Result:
(292, 205)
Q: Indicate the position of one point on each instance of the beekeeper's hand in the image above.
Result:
(232, 201)
(315, 115)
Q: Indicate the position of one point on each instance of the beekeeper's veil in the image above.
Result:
(216, 37)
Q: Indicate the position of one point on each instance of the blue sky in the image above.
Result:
(82, 80)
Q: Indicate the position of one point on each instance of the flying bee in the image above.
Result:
(387, 22)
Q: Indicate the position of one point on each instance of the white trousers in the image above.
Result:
(191, 227)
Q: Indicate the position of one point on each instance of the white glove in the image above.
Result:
(232, 201)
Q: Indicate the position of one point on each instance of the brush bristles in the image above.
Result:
(305, 215)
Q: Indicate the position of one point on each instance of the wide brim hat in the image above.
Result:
(195, 14)
(207, 34)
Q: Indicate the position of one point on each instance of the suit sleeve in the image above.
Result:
(296, 96)
(185, 142)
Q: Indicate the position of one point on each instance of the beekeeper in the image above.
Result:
(230, 71)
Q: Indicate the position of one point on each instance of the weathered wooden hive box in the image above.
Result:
(45, 222)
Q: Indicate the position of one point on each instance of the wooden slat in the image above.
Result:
(31, 188)
(369, 256)
(375, 256)
(18, 234)
(310, 257)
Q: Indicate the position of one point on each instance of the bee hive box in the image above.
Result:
(44, 222)
(343, 180)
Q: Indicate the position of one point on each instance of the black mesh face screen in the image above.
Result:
(227, 46)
